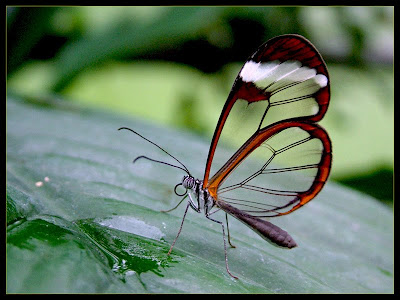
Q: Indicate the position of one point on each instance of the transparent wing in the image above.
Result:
(285, 79)
(276, 171)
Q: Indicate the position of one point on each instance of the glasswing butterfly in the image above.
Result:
(280, 93)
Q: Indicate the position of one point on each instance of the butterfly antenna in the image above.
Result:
(159, 161)
(184, 167)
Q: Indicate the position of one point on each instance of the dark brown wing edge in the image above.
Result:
(283, 48)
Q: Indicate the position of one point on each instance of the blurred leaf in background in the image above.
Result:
(173, 64)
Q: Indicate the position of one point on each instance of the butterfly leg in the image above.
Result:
(226, 254)
(180, 229)
(227, 228)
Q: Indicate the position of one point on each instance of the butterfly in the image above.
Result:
(283, 158)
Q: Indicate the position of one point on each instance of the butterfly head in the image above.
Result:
(189, 183)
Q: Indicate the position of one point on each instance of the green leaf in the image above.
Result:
(82, 218)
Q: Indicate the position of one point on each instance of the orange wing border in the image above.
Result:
(260, 137)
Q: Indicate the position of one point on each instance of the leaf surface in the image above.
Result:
(94, 224)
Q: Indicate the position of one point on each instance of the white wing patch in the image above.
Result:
(253, 72)
(274, 76)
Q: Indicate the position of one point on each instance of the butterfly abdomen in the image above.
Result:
(265, 229)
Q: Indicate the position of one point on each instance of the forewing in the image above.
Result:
(285, 79)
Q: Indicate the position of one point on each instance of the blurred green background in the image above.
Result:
(176, 65)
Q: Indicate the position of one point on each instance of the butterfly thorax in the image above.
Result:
(203, 200)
